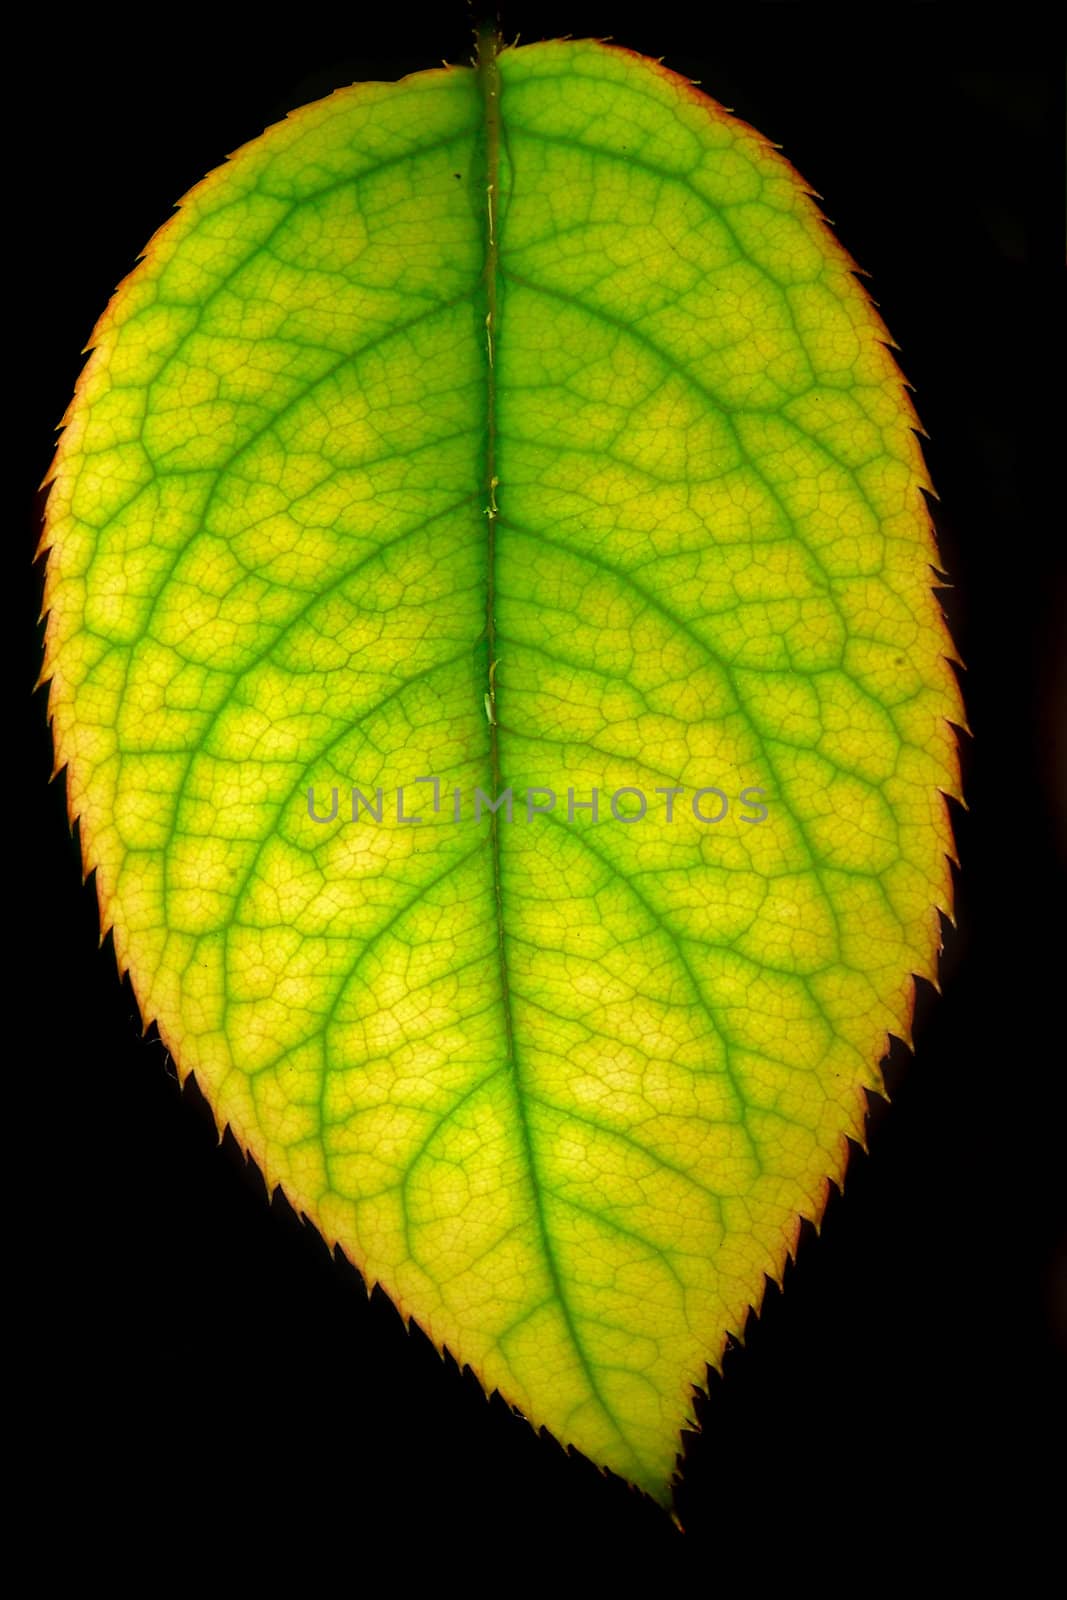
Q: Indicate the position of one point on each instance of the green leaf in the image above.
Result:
(522, 428)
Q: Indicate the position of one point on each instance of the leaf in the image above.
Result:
(523, 429)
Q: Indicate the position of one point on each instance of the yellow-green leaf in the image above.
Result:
(513, 431)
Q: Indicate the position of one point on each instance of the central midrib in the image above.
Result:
(489, 78)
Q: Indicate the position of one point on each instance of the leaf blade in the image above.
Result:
(594, 1169)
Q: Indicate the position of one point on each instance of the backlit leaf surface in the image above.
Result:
(521, 427)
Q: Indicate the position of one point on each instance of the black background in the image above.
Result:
(204, 1371)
